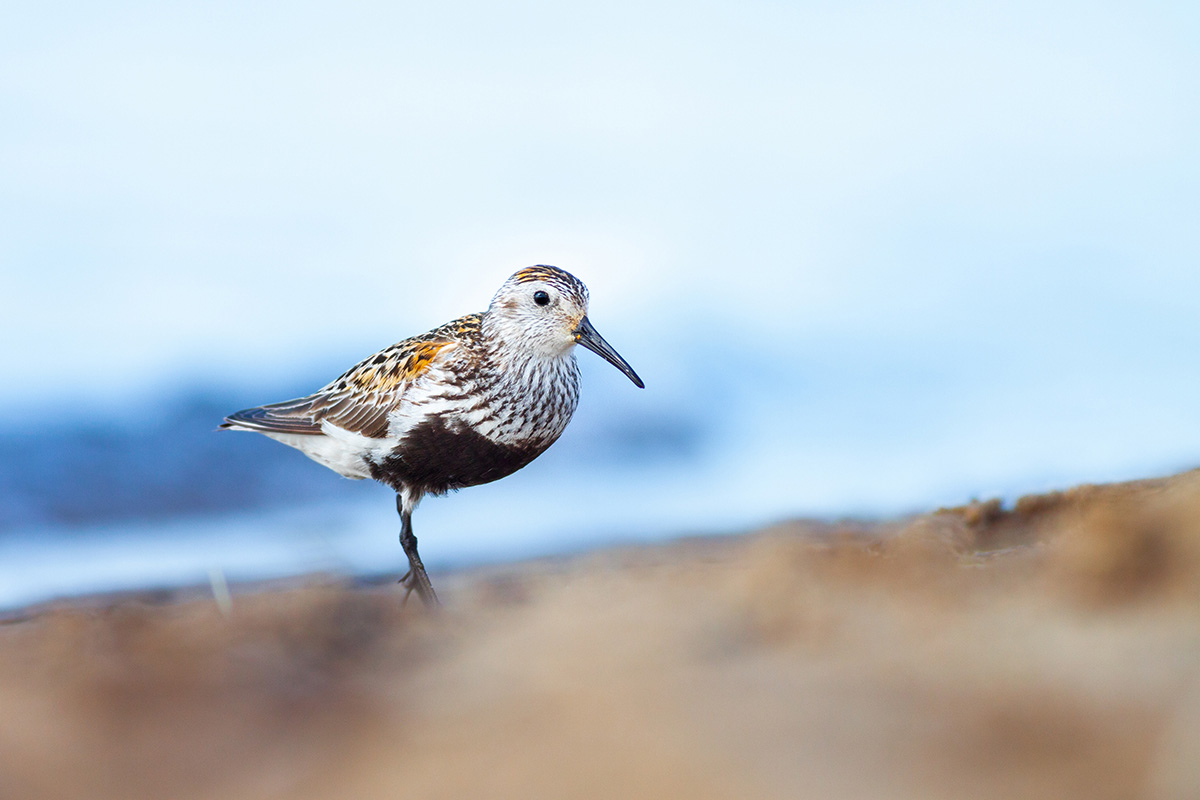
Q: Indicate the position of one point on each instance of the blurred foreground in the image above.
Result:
(1050, 650)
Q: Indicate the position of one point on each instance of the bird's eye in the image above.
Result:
(541, 298)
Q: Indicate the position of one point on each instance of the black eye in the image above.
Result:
(541, 298)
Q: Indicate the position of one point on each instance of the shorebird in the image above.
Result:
(466, 403)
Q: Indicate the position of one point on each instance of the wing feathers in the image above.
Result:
(361, 399)
(293, 416)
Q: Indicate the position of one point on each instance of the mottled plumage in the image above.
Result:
(466, 403)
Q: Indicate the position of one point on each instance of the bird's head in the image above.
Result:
(544, 308)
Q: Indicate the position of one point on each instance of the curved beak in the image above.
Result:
(586, 335)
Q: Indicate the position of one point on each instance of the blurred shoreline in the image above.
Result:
(1049, 648)
(153, 496)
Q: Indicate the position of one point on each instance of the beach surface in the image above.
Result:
(1050, 649)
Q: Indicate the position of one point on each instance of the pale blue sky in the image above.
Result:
(982, 216)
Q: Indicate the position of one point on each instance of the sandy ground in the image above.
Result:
(1046, 651)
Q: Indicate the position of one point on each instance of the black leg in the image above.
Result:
(416, 579)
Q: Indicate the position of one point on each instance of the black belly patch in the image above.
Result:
(433, 459)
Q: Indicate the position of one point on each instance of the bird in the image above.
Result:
(467, 403)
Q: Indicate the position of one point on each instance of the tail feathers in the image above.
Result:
(292, 416)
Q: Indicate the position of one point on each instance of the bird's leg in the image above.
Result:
(416, 579)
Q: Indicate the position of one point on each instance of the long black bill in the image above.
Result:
(586, 335)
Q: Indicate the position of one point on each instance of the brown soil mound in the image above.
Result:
(1050, 650)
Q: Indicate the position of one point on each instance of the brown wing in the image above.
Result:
(361, 399)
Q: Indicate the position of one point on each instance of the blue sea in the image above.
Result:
(155, 496)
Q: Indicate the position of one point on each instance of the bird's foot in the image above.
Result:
(406, 582)
(417, 581)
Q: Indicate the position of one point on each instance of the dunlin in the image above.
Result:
(467, 403)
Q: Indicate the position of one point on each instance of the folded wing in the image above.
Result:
(358, 401)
